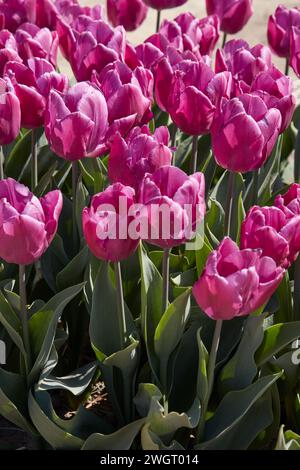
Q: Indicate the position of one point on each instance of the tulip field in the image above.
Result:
(149, 228)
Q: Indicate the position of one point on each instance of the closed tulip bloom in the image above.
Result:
(233, 14)
(76, 122)
(128, 95)
(295, 50)
(269, 229)
(35, 42)
(289, 203)
(47, 12)
(106, 222)
(276, 89)
(236, 282)
(175, 203)
(8, 49)
(243, 61)
(32, 85)
(164, 4)
(10, 113)
(140, 153)
(15, 12)
(127, 13)
(27, 224)
(280, 28)
(244, 133)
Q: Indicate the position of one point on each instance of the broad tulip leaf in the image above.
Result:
(11, 323)
(74, 271)
(276, 337)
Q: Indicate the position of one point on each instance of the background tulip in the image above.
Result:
(233, 14)
(27, 224)
(76, 122)
(169, 187)
(270, 230)
(104, 221)
(8, 49)
(280, 28)
(164, 4)
(10, 113)
(289, 202)
(244, 133)
(294, 60)
(47, 12)
(127, 13)
(35, 42)
(140, 153)
(15, 12)
(236, 282)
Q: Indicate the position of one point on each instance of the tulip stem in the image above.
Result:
(224, 39)
(255, 187)
(194, 154)
(173, 142)
(158, 20)
(74, 190)
(287, 66)
(296, 309)
(24, 319)
(210, 376)
(120, 305)
(165, 276)
(229, 203)
(1, 163)
(34, 162)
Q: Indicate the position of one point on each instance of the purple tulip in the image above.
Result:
(289, 202)
(191, 92)
(128, 94)
(236, 282)
(10, 113)
(8, 49)
(140, 153)
(35, 42)
(15, 12)
(106, 223)
(280, 28)
(276, 89)
(27, 224)
(175, 205)
(244, 133)
(32, 85)
(69, 10)
(164, 4)
(76, 122)
(243, 62)
(233, 14)
(295, 51)
(128, 13)
(268, 229)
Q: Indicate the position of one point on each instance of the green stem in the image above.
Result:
(34, 162)
(120, 305)
(210, 376)
(224, 39)
(165, 276)
(24, 319)
(296, 308)
(297, 157)
(173, 142)
(287, 66)
(229, 202)
(1, 163)
(74, 189)
(255, 187)
(194, 154)
(158, 20)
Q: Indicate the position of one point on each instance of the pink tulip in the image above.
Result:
(32, 86)
(295, 50)
(276, 89)
(270, 230)
(289, 202)
(191, 92)
(175, 204)
(15, 12)
(236, 282)
(233, 14)
(128, 13)
(76, 122)
(35, 42)
(105, 220)
(90, 45)
(244, 133)
(140, 153)
(164, 4)
(243, 62)
(128, 94)
(8, 49)
(27, 224)
(10, 113)
(280, 28)
(47, 12)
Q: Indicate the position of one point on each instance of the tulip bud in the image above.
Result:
(280, 28)
(164, 4)
(10, 113)
(233, 14)
(127, 13)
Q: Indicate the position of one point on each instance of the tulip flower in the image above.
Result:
(8, 49)
(289, 203)
(47, 12)
(236, 282)
(76, 122)
(140, 153)
(164, 4)
(10, 113)
(294, 59)
(27, 224)
(104, 221)
(175, 203)
(276, 89)
(276, 235)
(35, 42)
(32, 85)
(128, 95)
(15, 12)
(128, 13)
(233, 14)
(244, 133)
(191, 92)
(280, 29)
(243, 62)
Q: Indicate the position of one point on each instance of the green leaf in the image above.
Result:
(76, 382)
(284, 293)
(202, 381)
(276, 337)
(288, 440)
(119, 440)
(74, 271)
(11, 323)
